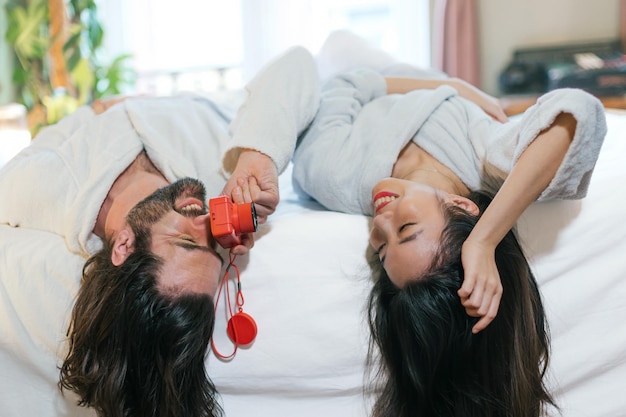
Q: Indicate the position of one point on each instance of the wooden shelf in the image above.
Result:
(516, 104)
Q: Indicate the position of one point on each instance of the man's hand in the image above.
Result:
(481, 290)
(101, 105)
(255, 179)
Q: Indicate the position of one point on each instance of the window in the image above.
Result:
(212, 44)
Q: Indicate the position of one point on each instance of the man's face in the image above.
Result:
(174, 220)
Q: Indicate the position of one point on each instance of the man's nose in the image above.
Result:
(201, 223)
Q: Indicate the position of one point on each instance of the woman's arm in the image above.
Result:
(533, 172)
(327, 158)
(489, 104)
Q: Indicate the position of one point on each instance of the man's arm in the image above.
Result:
(481, 290)
(282, 101)
(101, 105)
(255, 179)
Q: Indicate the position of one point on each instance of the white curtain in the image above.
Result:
(271, 26)
(401, 27)
(163, 35)
(160, 36)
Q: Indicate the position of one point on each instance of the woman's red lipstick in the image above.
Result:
(379, 196)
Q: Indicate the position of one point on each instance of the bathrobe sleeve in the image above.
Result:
(573, 176)
(280, 103)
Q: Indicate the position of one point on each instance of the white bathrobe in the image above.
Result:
(359, 131)
(59, 182)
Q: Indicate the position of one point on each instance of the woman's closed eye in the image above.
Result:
(379, 253)
(405, 226)
(401, 229)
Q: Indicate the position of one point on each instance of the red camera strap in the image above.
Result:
(241, 327)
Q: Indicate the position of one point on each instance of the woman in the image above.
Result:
(423, 157)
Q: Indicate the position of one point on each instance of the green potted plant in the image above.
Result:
(57, 46)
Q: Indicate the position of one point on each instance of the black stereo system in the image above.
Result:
(597, 67)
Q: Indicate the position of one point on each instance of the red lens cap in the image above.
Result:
(242, 329)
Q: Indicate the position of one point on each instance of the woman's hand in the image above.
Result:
(489, 104)
(481, 291)
(255, 179)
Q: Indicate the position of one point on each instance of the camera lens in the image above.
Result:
(247, 218)
(254, 220)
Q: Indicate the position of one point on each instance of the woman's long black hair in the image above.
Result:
(431, 364)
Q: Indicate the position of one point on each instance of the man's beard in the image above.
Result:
(152, 208)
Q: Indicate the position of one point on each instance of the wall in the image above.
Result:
(508, 24)
(6, 92)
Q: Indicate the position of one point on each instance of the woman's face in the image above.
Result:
(408, 222)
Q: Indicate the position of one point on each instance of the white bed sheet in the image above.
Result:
(306, 281)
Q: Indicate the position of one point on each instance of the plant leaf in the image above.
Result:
(84, 80)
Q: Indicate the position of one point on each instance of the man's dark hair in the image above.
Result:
(134, 350)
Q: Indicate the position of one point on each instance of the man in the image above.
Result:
(127, 189)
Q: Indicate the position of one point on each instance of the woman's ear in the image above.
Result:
(123, 246)
(464, 203)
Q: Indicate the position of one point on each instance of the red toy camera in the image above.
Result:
(229, 220)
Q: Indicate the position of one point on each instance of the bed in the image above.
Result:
(306, 282)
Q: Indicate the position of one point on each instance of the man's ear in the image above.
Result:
(123, 246)
(464, 203)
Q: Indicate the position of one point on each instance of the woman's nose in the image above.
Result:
(383, 220)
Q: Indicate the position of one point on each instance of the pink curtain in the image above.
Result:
(622, 24)
(455, 35)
